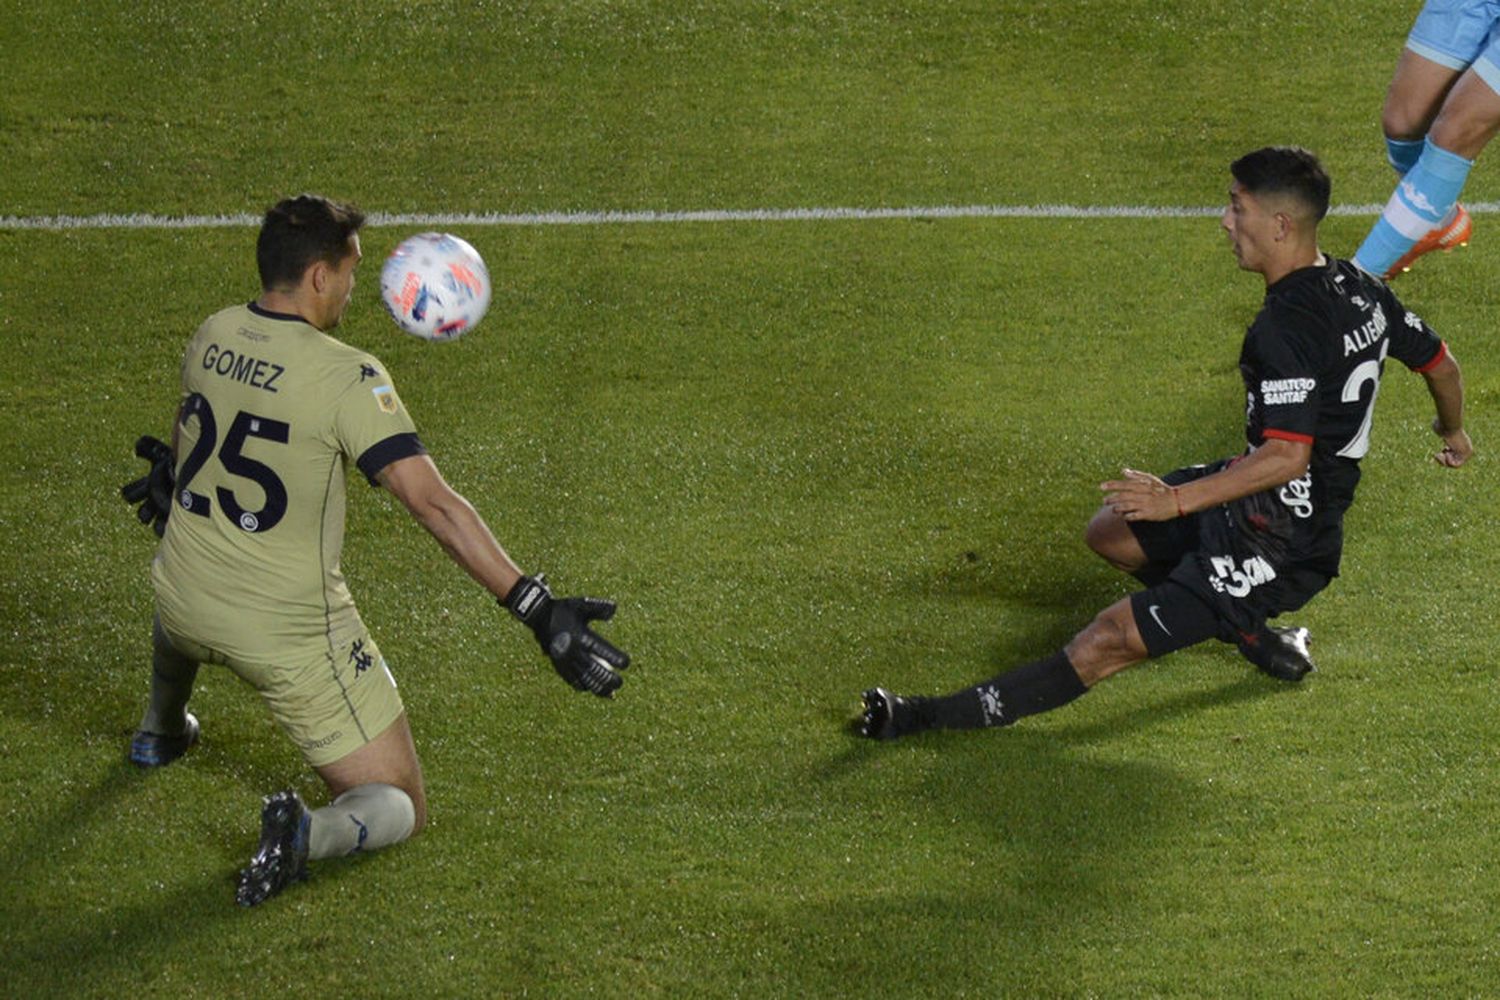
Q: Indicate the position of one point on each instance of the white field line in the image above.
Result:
(141, 220)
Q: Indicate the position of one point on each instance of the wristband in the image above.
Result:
(526, 595)
(1178, 497)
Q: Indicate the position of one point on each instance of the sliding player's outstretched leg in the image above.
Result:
(1000, 701)
(1109, 644)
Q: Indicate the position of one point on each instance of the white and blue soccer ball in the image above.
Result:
(435, 286)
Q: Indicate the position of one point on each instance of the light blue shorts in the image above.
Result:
(1460, 34)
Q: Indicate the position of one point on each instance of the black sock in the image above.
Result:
(1036, 687)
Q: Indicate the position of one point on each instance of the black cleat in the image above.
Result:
(281, 858)
(1281, 651)
(886, 716)
(156, 750)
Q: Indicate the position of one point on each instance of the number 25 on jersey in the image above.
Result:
(231, 456)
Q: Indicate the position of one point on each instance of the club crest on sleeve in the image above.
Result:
(385, 398)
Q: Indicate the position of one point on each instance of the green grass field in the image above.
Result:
(806, 457)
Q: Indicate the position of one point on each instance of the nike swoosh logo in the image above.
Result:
(1159, 623)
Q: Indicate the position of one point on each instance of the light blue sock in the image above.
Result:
(1403, 153)
(1421, 201)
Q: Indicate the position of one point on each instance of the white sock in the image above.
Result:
(365, 818)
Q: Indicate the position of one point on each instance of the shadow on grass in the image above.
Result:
(62, 934)
(1252, 687)
(29, 851)
(86, 950)
(1044, 849)
(1052, 837)
(78, 953)
(102, 950)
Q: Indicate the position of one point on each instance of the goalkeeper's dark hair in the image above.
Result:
(1286, 170)
(298, 232)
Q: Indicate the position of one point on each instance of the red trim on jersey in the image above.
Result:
(1272, 432)
(1439, 356)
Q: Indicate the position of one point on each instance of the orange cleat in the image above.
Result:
(1444, 238)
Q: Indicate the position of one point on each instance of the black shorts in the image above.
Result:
(1209, 580)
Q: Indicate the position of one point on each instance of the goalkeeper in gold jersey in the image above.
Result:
(247, 574)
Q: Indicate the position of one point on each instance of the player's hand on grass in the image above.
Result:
(1456, 446)
(579, 654)
(153, 491)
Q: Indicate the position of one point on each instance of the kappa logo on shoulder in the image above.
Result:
(368, 371)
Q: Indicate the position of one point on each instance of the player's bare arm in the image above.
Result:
(1445, 382)
(1140, 496)
(452, 520)
(580, 655)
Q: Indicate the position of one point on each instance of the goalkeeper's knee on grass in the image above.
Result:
(365, 818)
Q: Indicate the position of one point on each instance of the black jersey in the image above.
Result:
(1312, 361)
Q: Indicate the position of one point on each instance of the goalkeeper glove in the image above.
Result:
(153, 491)
(561, 626)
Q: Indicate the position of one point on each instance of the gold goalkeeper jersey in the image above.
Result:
(272, 412)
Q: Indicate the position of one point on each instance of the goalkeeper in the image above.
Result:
(247, 574)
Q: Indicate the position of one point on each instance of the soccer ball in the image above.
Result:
(435, 286)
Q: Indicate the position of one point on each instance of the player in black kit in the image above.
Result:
(1224, 547)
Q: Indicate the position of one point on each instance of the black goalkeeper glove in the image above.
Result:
(561, 625)
(153, 491)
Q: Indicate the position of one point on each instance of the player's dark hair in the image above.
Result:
(297, 232)
(1286, 170)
